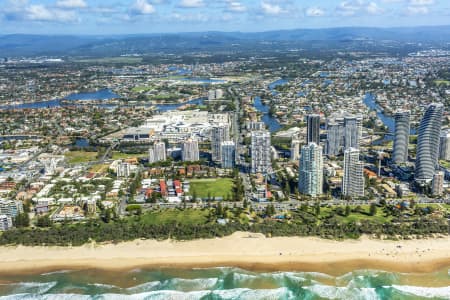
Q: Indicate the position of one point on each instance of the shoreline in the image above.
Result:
(243, 250)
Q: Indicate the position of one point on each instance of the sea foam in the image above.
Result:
(426, 292)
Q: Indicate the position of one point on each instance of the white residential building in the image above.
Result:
(353, 180)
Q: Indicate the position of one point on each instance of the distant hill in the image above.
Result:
(34, 45)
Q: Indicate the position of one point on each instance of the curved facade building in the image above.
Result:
(428, 143)
(401, 139)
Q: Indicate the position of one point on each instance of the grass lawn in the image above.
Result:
(183, 217)
(100, 168)
(143, 88)
(438, 82)
(203, 188)
(356, 216)
(444, 163)
(77, 157)
(119, 155)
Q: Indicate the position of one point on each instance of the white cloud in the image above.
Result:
(38, 12)
(348, 8)
(421, 2)
(236, 6)
(272, 9)
(71, 4)
(314, 12)
(417, 10)
(227, 17)
(22, 10)
(192, 3)
(142, 7)
(373, 9)
(197, 17)
(359, 7)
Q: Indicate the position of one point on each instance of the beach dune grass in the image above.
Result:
(77, 157)
(205, 188)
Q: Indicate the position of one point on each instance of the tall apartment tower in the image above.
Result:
(343, 131)
(428, 143)
(260, 152)
(353, 180)
(157, 152)
(437, 186)
(123, 169)
(190, 150)
(310, 179)
(219, 134)
(295, 150)
(160, 151)
(228, 153)
(351, 133)
(401, 138)
(334, 138)
(444, 145)
(151, 155)
(313, 129)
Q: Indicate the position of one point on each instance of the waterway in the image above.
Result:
(271, 122)
(370, 102)
(103, 94)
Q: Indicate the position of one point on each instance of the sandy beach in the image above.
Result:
(244, 250)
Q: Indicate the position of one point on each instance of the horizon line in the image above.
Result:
(231, 31)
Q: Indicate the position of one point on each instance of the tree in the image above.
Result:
(44, 221)
(22, 220)
(347, 210)
(245, 204)
(270, 210)
(373, 209)
(107, 216)
(317, 209)
(219, 210)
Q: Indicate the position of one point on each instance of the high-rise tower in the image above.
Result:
(444, 147)
(313, 127)
(353, 180)
(260, 151)
(310, 179)
(190, 150)
(428, 143)
(228, 153)
(401, 138)
(219, 134)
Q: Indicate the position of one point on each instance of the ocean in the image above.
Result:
(223, 283)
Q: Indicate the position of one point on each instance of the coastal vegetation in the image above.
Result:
(339, 222)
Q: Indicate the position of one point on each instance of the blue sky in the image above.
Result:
(155, 16)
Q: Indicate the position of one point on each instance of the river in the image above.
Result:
(369, 101)
(103, 94)
(271, 122)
